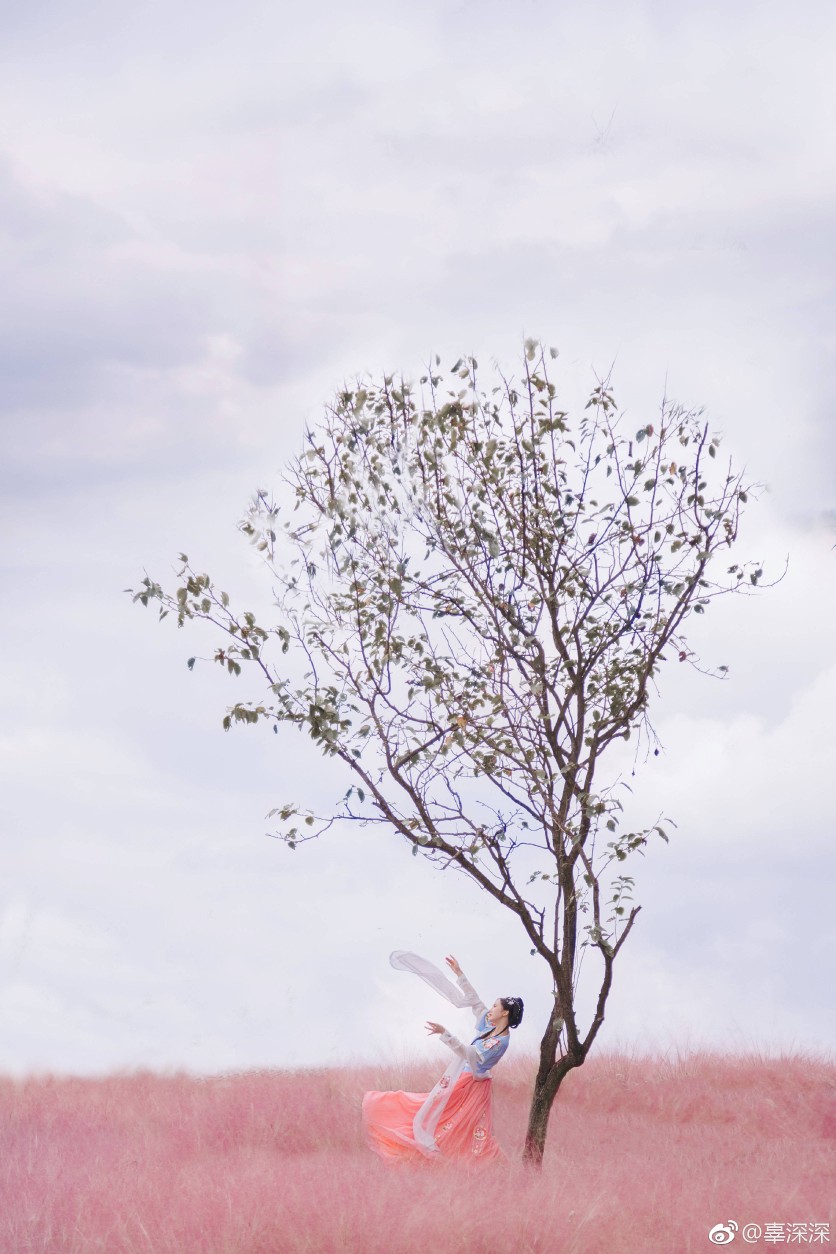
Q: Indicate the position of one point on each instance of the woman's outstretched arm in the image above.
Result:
(474, 1001)
(479, 1057)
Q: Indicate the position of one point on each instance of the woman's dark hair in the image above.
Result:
(515, 1008)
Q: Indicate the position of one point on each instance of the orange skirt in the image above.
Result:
(464, 1130)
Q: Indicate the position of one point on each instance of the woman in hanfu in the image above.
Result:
(454, 1119)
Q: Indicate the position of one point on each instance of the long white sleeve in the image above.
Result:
(403, 960)
(471, 999)
(474, 1001)
(468, 1052)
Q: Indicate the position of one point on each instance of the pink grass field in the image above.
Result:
(644, 1154)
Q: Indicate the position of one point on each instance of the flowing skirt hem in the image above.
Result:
(464, 1132)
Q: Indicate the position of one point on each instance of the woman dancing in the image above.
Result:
(454, 1119)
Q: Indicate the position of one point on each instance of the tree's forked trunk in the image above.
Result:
(551, 1074)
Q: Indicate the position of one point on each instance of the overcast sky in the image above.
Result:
(209, 218)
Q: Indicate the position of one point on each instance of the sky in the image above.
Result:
(209, 220)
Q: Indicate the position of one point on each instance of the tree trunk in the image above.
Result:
(550, 1075)
(538, 1115)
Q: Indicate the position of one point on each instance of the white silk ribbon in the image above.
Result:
(402, 960)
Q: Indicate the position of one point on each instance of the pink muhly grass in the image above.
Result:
(644, 1154)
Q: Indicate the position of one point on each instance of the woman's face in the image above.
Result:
(498, 1015)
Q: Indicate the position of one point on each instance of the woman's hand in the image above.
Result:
(434, 1028)
(453, 965)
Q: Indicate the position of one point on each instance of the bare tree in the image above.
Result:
(483, 591)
